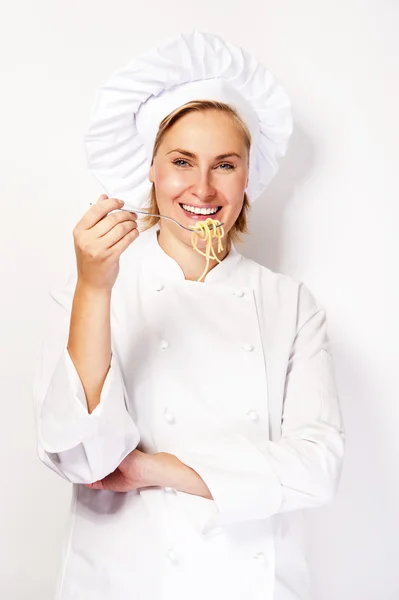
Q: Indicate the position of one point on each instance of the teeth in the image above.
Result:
(200, 211)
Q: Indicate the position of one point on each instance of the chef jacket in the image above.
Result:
(235, 377)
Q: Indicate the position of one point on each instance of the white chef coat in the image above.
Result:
(235, 377)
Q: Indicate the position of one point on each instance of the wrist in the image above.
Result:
(165, 470)
(85, 289)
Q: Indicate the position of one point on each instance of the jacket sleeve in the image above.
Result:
(302, 469)
(80, 446)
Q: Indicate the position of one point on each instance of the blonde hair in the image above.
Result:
(241, 223)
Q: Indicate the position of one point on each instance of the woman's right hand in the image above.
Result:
(100, 239)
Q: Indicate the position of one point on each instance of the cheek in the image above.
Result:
(234, 188)
(168, 182)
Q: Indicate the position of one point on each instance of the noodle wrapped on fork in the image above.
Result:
(207, 230)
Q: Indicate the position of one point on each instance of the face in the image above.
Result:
(202, 163)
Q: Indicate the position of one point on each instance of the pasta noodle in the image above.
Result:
(207, 230)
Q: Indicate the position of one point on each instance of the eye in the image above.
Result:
(179, 160)
(230, 167)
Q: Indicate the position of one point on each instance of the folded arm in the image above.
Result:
(303, 468)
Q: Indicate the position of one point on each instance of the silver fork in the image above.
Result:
(143, 212)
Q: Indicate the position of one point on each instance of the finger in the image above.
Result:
(110, 221)
(118, 232)
(97, 485)
(98, 211)
(113, 482)
(125, 242)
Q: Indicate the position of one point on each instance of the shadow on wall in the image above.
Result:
(266, 217)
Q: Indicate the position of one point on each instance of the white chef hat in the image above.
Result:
(129, 107)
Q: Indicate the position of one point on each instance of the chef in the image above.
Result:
(195, 417)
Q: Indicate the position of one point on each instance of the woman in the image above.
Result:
(196, 414)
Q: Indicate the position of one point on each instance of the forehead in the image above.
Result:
(206, 128)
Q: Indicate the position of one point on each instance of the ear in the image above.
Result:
(151, 174)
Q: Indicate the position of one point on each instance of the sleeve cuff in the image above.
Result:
(243, 484)
(202, 513)
(65, 420)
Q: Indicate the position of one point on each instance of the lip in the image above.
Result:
(194, 217)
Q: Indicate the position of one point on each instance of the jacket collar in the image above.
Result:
(162, 266)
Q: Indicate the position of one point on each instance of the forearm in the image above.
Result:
(169, 471)
(89, 343)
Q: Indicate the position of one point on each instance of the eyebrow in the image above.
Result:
(192, 155)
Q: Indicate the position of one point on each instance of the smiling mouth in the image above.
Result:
(200, 212)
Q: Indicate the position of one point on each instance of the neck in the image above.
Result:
(191, 262)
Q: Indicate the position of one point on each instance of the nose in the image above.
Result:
(203, 187)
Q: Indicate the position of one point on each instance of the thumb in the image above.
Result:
(114, 482)
(97, 485)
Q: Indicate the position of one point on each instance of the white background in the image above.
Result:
(329, 218)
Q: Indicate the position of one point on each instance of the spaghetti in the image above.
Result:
(207, 230)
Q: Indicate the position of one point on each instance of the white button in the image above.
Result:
(247, 347)
(172, 556)
(169, 418)
(259, 556)
(252, 414)
(159, 287)
(169, 489)
(164, 344)
(239, 293)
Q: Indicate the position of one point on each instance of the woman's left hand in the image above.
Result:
(134, 472)
(141, 470)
